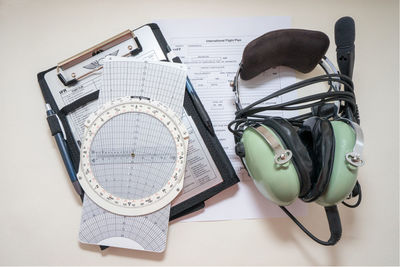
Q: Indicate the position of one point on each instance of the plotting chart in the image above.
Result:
(133, 157)
(140, 232)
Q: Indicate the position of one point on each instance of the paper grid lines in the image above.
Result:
(142, 135)
(133, 155)
(161, 81)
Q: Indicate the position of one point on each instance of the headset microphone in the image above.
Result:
(344, 39)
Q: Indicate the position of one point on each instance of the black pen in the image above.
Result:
(57, 130)
(199, 107)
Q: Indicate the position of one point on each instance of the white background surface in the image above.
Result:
(40, 212)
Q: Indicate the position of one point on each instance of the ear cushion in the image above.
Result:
(301, 159)
(317, 135)
(344, 175)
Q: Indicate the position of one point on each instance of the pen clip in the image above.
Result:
(62, 127)
(88, 62)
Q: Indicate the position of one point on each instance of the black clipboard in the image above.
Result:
(212, 143)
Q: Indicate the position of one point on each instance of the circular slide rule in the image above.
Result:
(133, 156)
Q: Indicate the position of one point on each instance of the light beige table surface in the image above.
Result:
(40, 213)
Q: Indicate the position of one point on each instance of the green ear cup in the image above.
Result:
(344, 175)
(278, 183)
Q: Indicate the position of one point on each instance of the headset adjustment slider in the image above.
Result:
(282, 155)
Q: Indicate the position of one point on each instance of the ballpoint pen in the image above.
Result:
(57, 130)
(199, 107)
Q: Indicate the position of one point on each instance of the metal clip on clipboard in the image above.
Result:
(89, 61)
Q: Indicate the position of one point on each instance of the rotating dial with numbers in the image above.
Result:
(133, 156)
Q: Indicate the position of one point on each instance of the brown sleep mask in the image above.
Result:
(298, 49)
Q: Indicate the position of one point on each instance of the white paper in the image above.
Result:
(201, 173)
(161, 81)
(112, 163)
(212, 50)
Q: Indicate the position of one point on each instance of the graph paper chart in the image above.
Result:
(133, 156)
(139, 155)
(161, 81)
(136, 160)
(100, 227)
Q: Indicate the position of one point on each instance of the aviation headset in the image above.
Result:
(313, 156)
